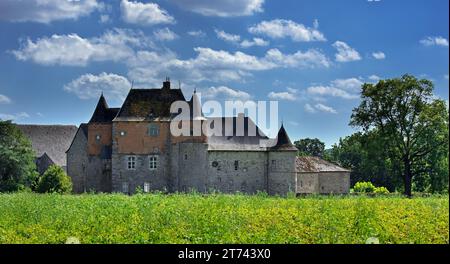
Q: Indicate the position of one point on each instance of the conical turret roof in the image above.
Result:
(283, 141)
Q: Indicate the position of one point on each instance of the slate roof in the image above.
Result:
(316, 164)
(235, 141)
(283, 141)
(102, 113)
(149, 104)
(51, 139)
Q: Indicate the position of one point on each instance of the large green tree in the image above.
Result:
(412, 123)
(17, 167)
(310, 147)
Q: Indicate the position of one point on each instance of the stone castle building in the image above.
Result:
(123, 149)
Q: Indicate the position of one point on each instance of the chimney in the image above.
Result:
(166, 84)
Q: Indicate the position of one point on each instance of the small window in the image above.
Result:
(153, 162)
(236, 164)
(215, 164)
(153, 130)
(146, 187)
(122, 133)
(98, 137)
(125, 187)
(185, 156)
(131, 163)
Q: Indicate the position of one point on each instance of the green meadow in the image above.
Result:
(221, 218)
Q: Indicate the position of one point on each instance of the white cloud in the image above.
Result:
(4, 99)
(293, 123)
(164, 34)
(217, 65)
(226, 93)
(374, 78)
(73, 50)
(343, 88)
(255, 42)
(434, 41)
(227, 37)
(223, 8)
(105, 19)
(330, 91)
(144, 14)
(379, 55)
(345, 52)
(325, 108)
(236, 39)
(308, 108)
(197, 33)
(350, 84)
(14, 117)
(282, 96)
(281, 28)
(319, 107)
(87, 86)
(46, 11)
(311, 58)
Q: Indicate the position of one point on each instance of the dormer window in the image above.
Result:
(153, 130)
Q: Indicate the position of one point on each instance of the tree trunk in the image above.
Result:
(408, 177)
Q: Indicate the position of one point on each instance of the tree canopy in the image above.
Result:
(17, 166)
(411, 124)
(310, 147)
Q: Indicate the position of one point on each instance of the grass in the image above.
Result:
(220, 218)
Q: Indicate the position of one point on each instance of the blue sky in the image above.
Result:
(311, 56)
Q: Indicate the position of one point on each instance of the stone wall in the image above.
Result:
(307, 183)
(282, 175)
(334, 182)
(249, 176)
(77, 162)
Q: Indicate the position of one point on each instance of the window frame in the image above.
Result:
(131, 162)
(153, 130)
(153, 162)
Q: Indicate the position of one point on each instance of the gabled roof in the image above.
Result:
(51, 139)
(148, 104)
(283, 141)
(316, 164)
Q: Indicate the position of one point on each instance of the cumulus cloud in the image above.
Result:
(223, 8)
(379, 55)
(4, 99)
(73, 50)
(288, 96)
(345, 53)
(46, 11)
(144, 13)
(255, 42)
(87, 86)
(227, 37)
(325, 108)
(165, 34)
(14, 117)
(342, 88)
(281, 28)
(226, 93)
(236, 39)
(197, 33)
(435, 41)
(309, 108)
(374, 77)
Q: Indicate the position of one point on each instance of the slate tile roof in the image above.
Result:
(316, 164)
(51, 139)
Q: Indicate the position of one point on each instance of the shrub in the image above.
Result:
(364, 187)
(54, 180)
(381, 190)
